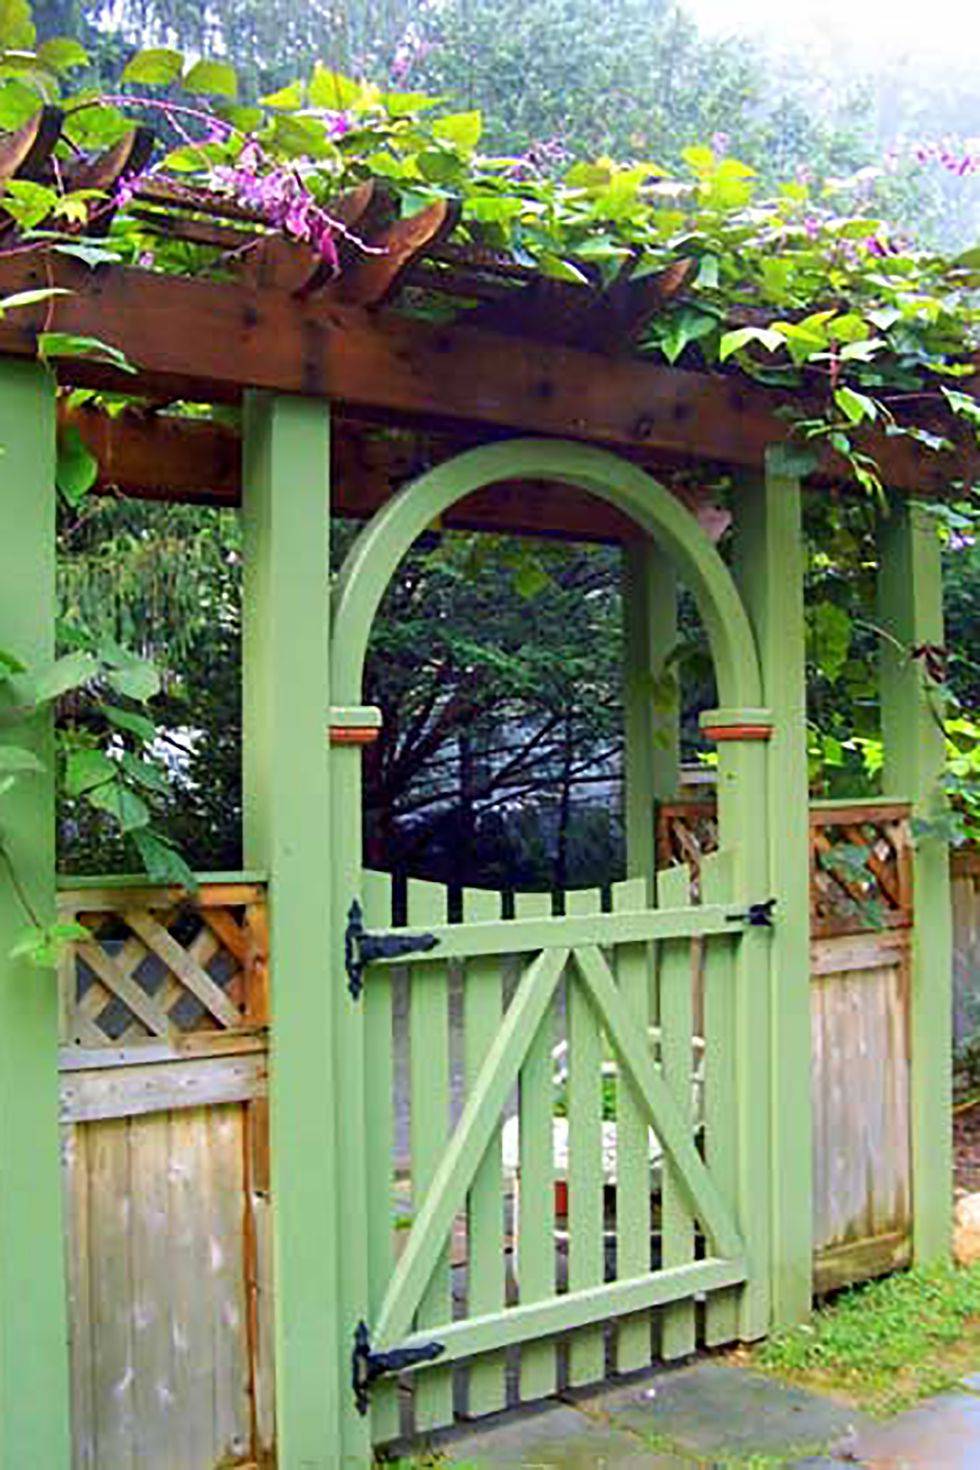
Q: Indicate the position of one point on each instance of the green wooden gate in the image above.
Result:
(437, 1263)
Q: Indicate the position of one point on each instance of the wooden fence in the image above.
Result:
(163, 1086)
(861, 918)
(163, 1102)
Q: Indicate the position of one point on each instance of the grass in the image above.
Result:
(887, 1344)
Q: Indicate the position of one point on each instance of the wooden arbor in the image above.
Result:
(308, 369)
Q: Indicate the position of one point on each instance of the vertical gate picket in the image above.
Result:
(586, 1245)
(720, 1100)
(429, 1052)
(634, 1341)
(676, 1051)
(380, 1134)
(536, 1221)
(482, 1012)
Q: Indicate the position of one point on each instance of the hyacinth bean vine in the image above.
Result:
(859, 326)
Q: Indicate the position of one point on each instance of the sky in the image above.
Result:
(867, 27)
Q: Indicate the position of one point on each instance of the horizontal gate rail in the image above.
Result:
(519, 936)
(531, 1320)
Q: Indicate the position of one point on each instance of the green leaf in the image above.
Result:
(831, 627)
(17, 31)
(162, 861)
(214, 78)
(28, 203)
(331, 90)
(682, 328)
(561, 270)
(288, 99)
(856, 407)
(62, 53)
(734, 341)
(139, 680)
(146, 774)
(52, 345)
(129, 810)
(462, 129)
(71, 671)
(156, 67)
(87, 769)
(15, 760)
(132, 723)
(76, 468)
(30, 298)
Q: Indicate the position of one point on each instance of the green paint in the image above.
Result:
(467, 1146)
(428, 1024)
(633, 1222)
(586, 1250)
(536, 1243)
(652, 726)
(34, 1398)
(770, 574)
(384, 541)
(720, 1091)
(575, 1310)
(483, 1001)
(742, 819)
(287, 833)
(676, 1050)
(910, 610)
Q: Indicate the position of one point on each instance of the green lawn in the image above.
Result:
(886, 1344)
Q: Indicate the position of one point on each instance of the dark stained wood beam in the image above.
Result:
(163, 457)
(204, 340)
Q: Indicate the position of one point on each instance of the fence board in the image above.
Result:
(677, 1053)
(483, 1010)
(536, 1238)
(429, 1051)
(634, 962)
(586, 1247)
(720, 1100)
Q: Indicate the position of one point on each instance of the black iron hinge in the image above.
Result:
(757, 915)
(360, 947)
(367, 1366)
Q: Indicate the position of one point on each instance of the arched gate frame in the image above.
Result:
(388, 1303)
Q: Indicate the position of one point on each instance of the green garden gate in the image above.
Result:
(453, 1262)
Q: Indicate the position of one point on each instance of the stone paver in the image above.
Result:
(558, 1438)
(943, 1433)
(710, 1415)
(711, 1409)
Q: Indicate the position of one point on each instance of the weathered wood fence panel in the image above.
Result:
(861, 919)
(163, 1084)
(965, 888)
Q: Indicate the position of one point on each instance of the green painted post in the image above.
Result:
(910, 611)
(652, 727)
(286, 509)
(770, 574)
(34, 1397)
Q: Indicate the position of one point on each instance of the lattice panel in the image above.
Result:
(860, 869)
(160, 966)
(860, 861)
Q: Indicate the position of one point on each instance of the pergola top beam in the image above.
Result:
(209, 341)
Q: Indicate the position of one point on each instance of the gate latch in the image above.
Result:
(360, 947)
(367, 1366)
(757, 915)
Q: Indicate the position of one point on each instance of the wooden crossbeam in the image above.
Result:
(206, 340)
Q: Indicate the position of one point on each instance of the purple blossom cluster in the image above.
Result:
(280, 196)
(953, 157)
(411, 49)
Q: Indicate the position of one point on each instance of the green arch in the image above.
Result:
(386, 538)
